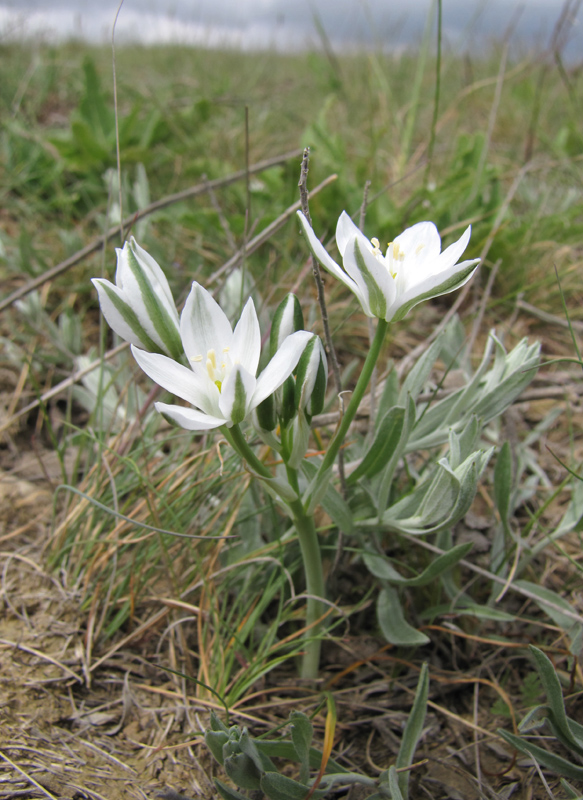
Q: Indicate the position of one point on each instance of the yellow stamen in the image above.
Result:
(196, 359)
(419, 248)
(376, 247)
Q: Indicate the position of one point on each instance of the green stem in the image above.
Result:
(312, 558)
(355, 401)
(309, 546)
(235, 438)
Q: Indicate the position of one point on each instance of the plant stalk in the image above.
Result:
(309, 546)
(353, 406)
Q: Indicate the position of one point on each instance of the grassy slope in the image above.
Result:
(506, 139)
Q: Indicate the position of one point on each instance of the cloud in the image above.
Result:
(279, 23)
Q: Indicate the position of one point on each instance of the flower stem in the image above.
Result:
(235, 438)
(312, 558)
(355, 400)
(309, 546)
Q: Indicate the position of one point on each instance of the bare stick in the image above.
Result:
(371, 330)
(304, 200)
(116, 117)
(193, 191)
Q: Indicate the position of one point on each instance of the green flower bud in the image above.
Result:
(288, 319)
(311, 378)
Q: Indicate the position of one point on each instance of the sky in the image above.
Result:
(292, 24)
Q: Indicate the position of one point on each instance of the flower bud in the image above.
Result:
(288, 318)
(311, 378)
(140, 307)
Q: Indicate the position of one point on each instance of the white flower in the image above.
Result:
(221, 382)
(412, 269)
(140, 307)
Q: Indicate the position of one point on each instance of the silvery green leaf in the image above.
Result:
(571, 735)
(392, 622)
(547, 601)
(571, 520)
(280, 787)
(217, 724)
(413, 730)
(441, 497)
(385, 442)
(386, 477)
(415, 381)
(570, 791)
(451, 354)
(503, 481)
(302, 732)
(393, 781)
(557, 764)
(248, 746)
(285, 749)
(468, 609)
(317, 487)
(332, 501)
(468, 439)
(227, 792)
(382, 568)
(436, 419)
(511, 375)
(440, 501)
(242, 771)
(389, 395)
(215, 740)
(277, 487)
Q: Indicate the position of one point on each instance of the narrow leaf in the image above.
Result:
(227, 792)
(553, 762)
(381, 568)
(503, 481)
(413, 729)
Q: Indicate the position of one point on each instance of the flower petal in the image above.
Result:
(281, 366)
(149, 299)
(434, 286)
(236, 394)
(121, 317)
(321, 254)
(203, 325)
(179, 380)
(246, 342)
(451, 254)
(157, 276)
(376, 287)
(423, 237)
(189, 418)
(347, 230)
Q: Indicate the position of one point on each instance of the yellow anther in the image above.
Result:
(419, 248)
(376, 247)
(397, 252)
(196, 359)
(218, 384)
